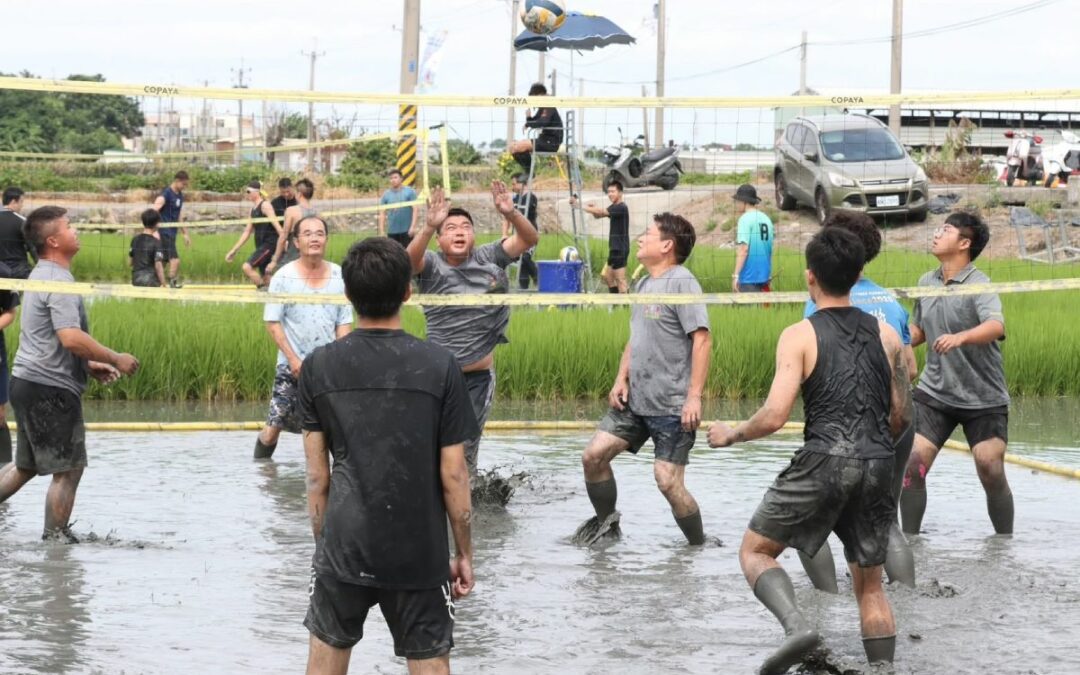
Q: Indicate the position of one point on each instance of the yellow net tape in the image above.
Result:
(237, 295)
(504, 101)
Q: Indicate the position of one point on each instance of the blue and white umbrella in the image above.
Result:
(578, 32)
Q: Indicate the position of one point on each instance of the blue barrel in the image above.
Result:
(555, 276)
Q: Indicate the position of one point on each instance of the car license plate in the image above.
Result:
(888, 200)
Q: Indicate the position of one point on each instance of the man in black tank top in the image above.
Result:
(264, 223)
(855, 387)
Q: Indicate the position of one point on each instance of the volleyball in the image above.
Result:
(569, 254)
(543, 16)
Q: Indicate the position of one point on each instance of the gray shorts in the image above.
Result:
(52, 436)
(818, 494)
(481, 386)
(672, 442)
(284, 404)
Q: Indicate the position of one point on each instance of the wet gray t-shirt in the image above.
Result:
(41, 358)
(972, 376)
(470, 333)
(660, 344)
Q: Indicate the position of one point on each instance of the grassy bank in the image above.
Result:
(222, 352)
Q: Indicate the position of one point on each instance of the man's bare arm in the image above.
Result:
(456, 496)
(317, 458)
(902, 410)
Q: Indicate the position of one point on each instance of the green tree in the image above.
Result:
(461, 152)
(295, 125)
(50, 122)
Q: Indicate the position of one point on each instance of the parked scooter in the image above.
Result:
(628, 165)
(1063, 159)
(1024, 160)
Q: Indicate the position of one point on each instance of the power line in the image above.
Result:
(926, 32)
(959, 25)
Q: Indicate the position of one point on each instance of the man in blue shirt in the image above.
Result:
(881, 304)
(169, 204)
(753, 244)
(399, 224)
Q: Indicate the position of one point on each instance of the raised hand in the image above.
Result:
(438, 208)
(500, 194)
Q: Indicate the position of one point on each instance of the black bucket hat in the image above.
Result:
(747, 194)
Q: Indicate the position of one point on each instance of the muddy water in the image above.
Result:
(202, 561)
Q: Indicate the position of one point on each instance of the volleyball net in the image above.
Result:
(806, 156)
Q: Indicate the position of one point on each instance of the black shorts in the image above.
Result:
(168, 246)
(4, 381)
(261, 257)
(817, 494)
(548, 141)
(421, 622)
(402, 238)
(617, 258)
(672, 442)
(52, 437)
(935, 421)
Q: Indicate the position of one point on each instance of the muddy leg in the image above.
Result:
(60, 500)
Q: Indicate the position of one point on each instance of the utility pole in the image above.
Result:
(239, 73)
(313, 54)
(802, 66)
(897, 61)
(581, 111)
(513, 70)
(661, 46)
(407, 112)
(543, 58)
(645, 116)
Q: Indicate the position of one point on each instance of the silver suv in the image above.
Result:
(848, 162)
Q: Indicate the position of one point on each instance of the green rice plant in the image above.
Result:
(218, 352)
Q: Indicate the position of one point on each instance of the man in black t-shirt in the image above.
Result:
(395, 413)
(146, 257)
(13, 248)
(526, 203)
(286, 198)
(614, 273)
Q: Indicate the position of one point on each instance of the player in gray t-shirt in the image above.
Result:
(963, 382)
(55, 356)
(471, 333)
(657, 393)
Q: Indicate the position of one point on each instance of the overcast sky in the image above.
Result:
(142, 41)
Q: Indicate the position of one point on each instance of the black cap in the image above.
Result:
(747, 194)
(254, 185)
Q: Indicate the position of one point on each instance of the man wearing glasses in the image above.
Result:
(471, 333)
(963, 382)
(298, 329)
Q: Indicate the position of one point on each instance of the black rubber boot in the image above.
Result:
(263, 451)
(612, 289)
(525, 160)
(1000, 507)
(5, 444)
(821, 569)
(879, 649)
(899, 560)
(912, 509)
(773, 588)
(603, 496)
(692, 528)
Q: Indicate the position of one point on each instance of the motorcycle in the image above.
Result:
(1024, 160)
(1063, 159)
(632, 167)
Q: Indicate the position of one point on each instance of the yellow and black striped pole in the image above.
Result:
(406, 149)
